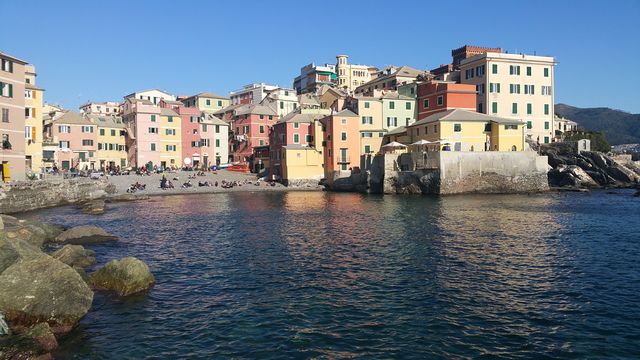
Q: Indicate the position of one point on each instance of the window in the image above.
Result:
(380, 134)
(153, 118)
(296, 125)
(514, 69)
(153, 130)
(407, 105)
(113, 132)
(170, 118)
(309, 138)
(529, 125)
(546, 90)
(494, 107)
(514, 88)
(64, 129)
(170, 147)
(261, 117)
(457, 127)
(344, 121)
(7, 65)
(101, 132)
(546, 125)
(5, 115)
(367, 120)
(440, 100)
(392, 121)
(100, 146)
(367, 149)
(392, 105)
(417, 131)
(208, 102)
(170, 131)
(494, 68)
(426, 130)
(344, 136)
(219, 102)
(261, 128)
(367, 134)
(86, 142)
(87, 129)
(435, 128)
(529, 110)
(217, 129)
(528, 70)
(64, 144)
(487, 127)
(217, 142)
(546, 139)
(546, 109)
(366, 104)
(514, 108)
(546, 72)
(426, 103)
(511, 127)
(281, 104)
(480, 108)
(270, 117)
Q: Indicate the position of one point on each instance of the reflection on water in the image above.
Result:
(315, 274)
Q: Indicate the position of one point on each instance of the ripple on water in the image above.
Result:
(273, 275)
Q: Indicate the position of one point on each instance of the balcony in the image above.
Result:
(344, 159)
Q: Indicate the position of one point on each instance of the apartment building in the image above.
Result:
(250, 94)
(206, 101)
(142, 119)
(371, 128)
(389, 79)
(153, 95)
(341, 150)
(313, 76)
(111, 149)
(77, 140)
(12, 118)
(33, 113)
(170, 139)
(435, 96)
(514, 86)
(282, 100)
(397, 110)
(251, 125)
(100, 108)
(350, 76)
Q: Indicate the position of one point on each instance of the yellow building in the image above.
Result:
(463, 130)
(33, 111)
(170, 139)
(372, 131)
(207, 102)
(112, 150)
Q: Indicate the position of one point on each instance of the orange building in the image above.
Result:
(341, 143)
(436, 96)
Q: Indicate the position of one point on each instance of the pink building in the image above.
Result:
(293, 130)
(77, 140)
(250, 126)
(197, 134)
(143, 131)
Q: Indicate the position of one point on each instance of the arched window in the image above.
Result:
(514, 148)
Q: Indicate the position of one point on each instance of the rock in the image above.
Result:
(75, 256)
(43, 335)
(82, 273)
(22, 348)
(4, 327)
(94, 207)
(43, 289)
(85, 234)
(126, 277)
(16, 245)
(127, 197)
(583, 179)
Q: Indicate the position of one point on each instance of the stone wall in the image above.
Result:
(32, 195)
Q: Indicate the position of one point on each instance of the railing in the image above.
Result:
(344, 159)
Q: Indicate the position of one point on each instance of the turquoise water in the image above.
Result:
(327, 275)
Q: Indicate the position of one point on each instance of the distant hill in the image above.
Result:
(620, 127)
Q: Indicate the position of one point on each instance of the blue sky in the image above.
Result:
(103, 50)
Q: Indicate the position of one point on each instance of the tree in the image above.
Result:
(598, 140)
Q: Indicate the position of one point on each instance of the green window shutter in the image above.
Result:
(494, 107)
(546, 109)
(10, 88)
(101, 132)
(364, 120)
(392, 105)
(208, 102)
(528, 70)
(529, 109)
(113, 133)
(529, 125)
(514, 108)
(457, 127)
(344, 136)
(498, 87)
(546, 72)
(408, 105)
(153, 118)
(494, 68)
(10, 66)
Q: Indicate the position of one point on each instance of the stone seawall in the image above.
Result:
(32, 195)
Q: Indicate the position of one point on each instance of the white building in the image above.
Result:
(350, 76)
(514, 86)
(313, 76)
(282, 100)
(250, 94)
(101, 108)
(153, 95)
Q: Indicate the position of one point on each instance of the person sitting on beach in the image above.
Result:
(163, 182)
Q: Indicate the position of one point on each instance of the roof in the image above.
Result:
(32, 87)
(463, 115)
(345, 112)
(309, 99)
(144, 91)
(168, 112)
(207, 95)
(171, 102)
(13, 58)
(298, 147)
(396, 96)
(72, 118)
(398, 130)
(214, 119)
(254, 109)
(146, 102)
(106, 121)
(296, 116)
(227, 109)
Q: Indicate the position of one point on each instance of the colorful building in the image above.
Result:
(142, 119)
(250, 125)
(220, 142)
(12, 118)
(282, 100)
(389, 79)
(313, 76)
(33, 114)
(350, 76)
(435, 96)
(171, 140)
(206, 101)
(296, 147)
(77, 140)
(111, 149)
(100, 108)
(153, 95)
(397, 110)
(514, 86)
(371, 129)
(250, 94)
(341, 149)
(464, 130)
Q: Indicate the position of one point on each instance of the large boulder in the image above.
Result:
(16, 244)
(85, 234)
(125, 277)
(75, 256)
(43, 335)
(43, 289)
(93, 207)
(22, 348)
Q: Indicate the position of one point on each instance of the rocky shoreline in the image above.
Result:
(44, 296)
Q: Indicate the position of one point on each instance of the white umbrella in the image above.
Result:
(394, 144)
(421, 142)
